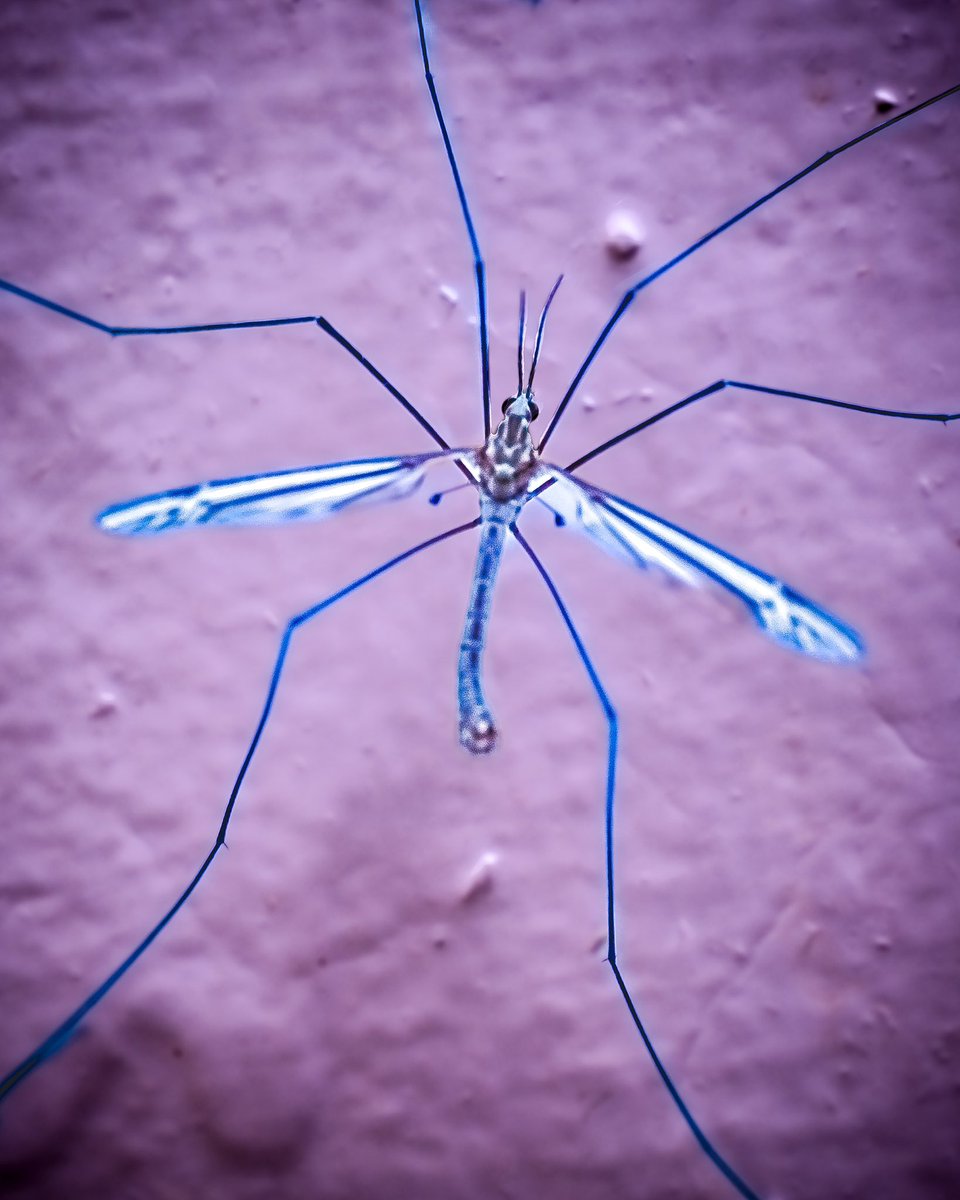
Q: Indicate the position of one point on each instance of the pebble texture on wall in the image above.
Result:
(392, 983)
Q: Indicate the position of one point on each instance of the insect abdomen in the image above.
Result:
(478, 734)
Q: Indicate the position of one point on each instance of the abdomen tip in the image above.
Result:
(479, 736)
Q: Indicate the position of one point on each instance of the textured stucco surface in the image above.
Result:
(392, 984)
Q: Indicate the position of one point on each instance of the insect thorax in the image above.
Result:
(508, 460)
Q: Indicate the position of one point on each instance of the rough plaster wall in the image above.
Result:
(340, 1012)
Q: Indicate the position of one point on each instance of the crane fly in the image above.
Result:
(508, 470)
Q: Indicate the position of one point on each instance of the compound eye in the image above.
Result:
(534, 409)
(506, 404)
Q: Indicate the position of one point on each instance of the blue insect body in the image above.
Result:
(508, 470)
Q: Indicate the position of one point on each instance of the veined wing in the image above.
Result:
(649, 541)
(302, 494)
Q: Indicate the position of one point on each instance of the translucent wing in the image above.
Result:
(648, 541)
(304, 494)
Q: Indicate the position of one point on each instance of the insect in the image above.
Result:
(624, 529)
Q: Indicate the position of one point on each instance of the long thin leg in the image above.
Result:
(137, 330)
(720, 385)
(382, 379)
(610, 717)
(145, 330)
(631, 294)
(478, 267)
(58, 1038)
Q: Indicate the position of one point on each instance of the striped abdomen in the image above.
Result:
(478, 733)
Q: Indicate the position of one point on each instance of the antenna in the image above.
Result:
(523, 334)
(536, 349)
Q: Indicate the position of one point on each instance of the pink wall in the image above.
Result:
(337, 1014)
